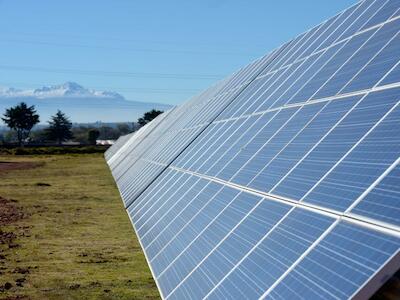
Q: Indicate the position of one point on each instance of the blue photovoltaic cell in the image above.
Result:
(215, 203)
(250, 95)
(281, 181)
(314, 65)
(213, 154)
(382, 202)
(144, 216)
(290, 154)
(152, 223)
(355, 64)
(389, 10)
(244, 237)
(336, 144)
(374, 153)
(330, 67)
(247, 151)
(273, 256)
(221, 159)
(383, 61)
(348, 23)
(222, 133)
(392, 77)
(338, 265)
(153, 192)
(215, 231)
(184, 208)
(359, 17)
(280, 138)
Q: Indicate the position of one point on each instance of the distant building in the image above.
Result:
(71, 143)
(105, 142)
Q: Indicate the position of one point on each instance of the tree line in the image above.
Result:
(22, 118)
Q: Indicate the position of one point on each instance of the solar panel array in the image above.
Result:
(283, 180)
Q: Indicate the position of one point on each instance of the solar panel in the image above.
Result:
(281, 181)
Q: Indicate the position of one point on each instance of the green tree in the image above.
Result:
(38, 136)
(124, 128)
(93, 135)
(21, 118)
(108, 133)
(149, 116)
(10, 136)
(59, 128)
(81, 134)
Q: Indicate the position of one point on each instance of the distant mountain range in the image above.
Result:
(80, 104)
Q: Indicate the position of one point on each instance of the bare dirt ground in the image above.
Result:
(10, 213)
(8, 166)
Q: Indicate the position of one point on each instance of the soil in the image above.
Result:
(8, 166)
(11, 212)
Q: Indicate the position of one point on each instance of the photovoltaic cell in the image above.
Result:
(338, 265)
(282, 180)
(382, 202)
(273, 255)
(230, 251)
(298, 183)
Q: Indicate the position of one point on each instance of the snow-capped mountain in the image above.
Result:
(82, 105)
(68, 89)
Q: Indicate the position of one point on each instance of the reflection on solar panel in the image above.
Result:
(281, 181)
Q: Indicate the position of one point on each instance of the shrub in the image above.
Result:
(53, 150)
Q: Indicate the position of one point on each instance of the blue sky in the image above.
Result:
(154, 51)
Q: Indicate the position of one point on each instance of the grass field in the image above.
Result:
(68, 236)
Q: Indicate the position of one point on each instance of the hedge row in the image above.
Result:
(52, 150)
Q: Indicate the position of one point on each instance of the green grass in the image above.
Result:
(76, 241)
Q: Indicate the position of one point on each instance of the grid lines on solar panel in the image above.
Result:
(281, 181)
